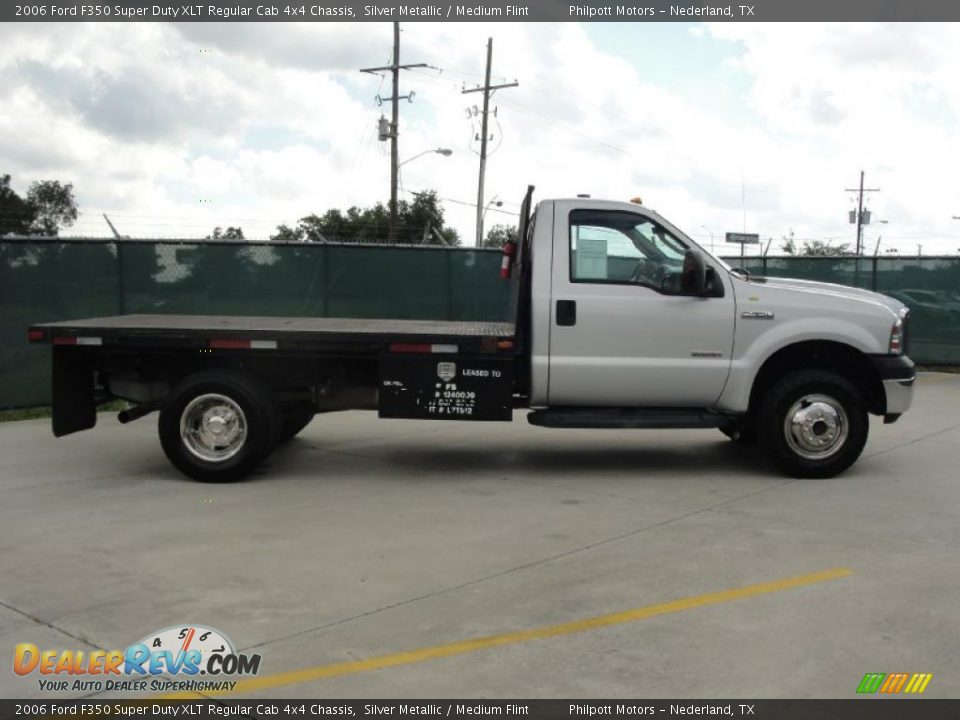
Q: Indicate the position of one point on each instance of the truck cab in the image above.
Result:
(633, 324)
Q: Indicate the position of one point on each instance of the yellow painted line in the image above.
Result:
(409, 657)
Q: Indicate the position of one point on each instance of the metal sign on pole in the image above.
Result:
(743, 239)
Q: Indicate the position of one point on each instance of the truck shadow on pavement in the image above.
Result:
(705, 460)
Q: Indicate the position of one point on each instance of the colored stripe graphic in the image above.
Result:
(871, 682)
(893, 683)
(918, 683)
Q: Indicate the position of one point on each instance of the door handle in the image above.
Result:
(566, 312)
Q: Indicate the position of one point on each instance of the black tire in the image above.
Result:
(835, 418)
(292, 424)
(235, 396)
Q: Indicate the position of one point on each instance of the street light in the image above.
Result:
(446, 152)
(483, 216)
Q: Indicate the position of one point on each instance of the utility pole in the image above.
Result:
(487, 91)
(395, 67)
(859, 217)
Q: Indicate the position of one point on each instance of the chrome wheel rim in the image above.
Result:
(213, 427)
(816, 426)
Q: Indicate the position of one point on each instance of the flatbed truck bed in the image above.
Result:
(402, 368)
(282, 333)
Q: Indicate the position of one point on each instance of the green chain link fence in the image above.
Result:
(46, 280)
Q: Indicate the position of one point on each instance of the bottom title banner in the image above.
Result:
(779, 709)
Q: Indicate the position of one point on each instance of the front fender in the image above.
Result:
(753, 346)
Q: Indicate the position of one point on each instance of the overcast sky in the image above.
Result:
(173, 129)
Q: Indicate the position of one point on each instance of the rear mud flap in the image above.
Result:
(74, 407)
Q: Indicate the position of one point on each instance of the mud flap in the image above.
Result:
(74, 407)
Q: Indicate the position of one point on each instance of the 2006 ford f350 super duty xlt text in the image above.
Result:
(620, 321)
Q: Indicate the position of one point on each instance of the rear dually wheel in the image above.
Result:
(217, 426)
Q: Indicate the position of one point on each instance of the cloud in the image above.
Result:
(134, 102)
(269, 122)
(308, 46)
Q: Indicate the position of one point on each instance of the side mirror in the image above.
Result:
(693, 279)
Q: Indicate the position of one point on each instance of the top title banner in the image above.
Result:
(486, 10)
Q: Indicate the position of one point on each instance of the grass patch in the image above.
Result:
(24, 414)
(954, 369)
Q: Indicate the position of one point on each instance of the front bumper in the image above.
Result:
(898, 376)
(899, 395)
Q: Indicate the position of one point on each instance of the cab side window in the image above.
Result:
(624, 248)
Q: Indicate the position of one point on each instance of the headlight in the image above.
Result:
(897, 333)
(896, 338)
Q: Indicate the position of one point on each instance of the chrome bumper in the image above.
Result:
(899, 395)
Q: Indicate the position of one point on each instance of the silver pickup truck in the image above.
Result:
(620, 320)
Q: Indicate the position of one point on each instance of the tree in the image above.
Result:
(814, 248)
(48, 206)
(16, 214)
(418, 222)
(231, 233)
(54, 205)
(817, 248)
(789, 244)
(285, 233)
(424, 216)
(500, 235)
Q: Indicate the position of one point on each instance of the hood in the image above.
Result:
(839, 291)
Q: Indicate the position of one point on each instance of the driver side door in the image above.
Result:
(621, 334)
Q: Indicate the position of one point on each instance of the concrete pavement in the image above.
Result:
(364, 539)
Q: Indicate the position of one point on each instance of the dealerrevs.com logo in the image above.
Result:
(166, 661)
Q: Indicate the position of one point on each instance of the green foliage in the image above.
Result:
(817, 248)
(54, 205)
(814, 248)
(48, 206)
(500, 235)
(16, 215)
(231, 233)
(789, 244)
(419, 222)
(285, 233)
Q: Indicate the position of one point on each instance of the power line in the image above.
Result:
(468, 204)
(574, 128)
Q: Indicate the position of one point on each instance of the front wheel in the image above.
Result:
(814, 423)
(217, 426)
